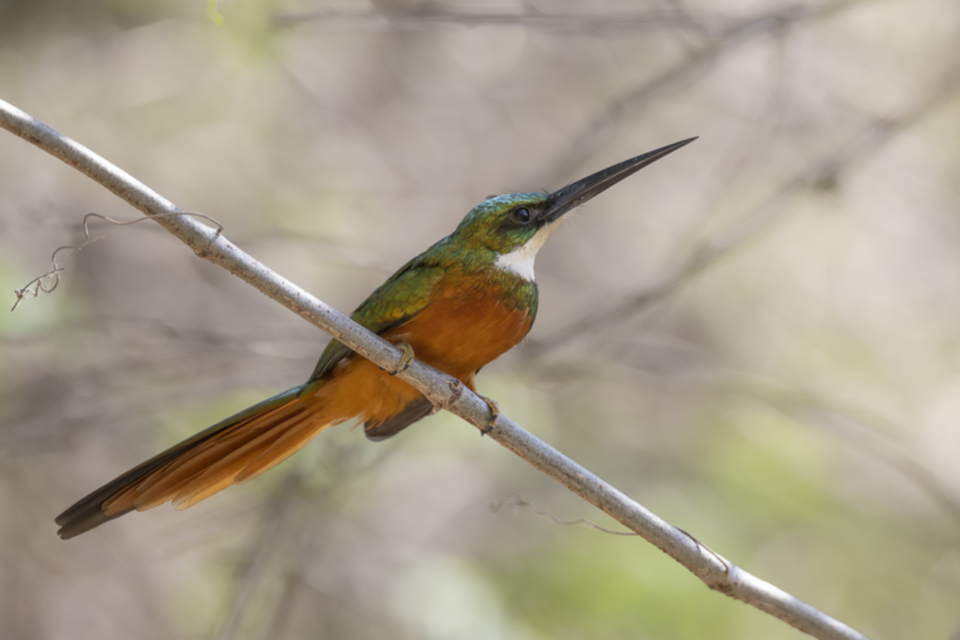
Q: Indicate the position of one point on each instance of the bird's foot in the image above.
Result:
(405, 359)
(494, 415)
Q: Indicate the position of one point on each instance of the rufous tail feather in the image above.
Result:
(232, 451)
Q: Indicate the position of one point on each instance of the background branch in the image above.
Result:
(822, 174)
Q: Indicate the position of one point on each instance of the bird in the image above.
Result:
(457, 306)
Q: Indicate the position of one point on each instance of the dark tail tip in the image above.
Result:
(73, 523)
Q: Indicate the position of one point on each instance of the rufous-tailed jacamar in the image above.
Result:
(459, 305)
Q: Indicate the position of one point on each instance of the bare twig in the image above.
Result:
(715, 572)
(563, 22)
(863, 429)
(45, 283)
(824, 172)
(49, 281)
(741, 31)
(276, 518)
(516, 501)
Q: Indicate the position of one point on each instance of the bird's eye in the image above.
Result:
(521, 215)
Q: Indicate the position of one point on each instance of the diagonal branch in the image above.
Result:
(417, 19)
(604, 124)
(445, 391)
(821, 174)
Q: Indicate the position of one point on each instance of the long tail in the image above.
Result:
(230, 452)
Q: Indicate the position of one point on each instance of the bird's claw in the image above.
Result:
(494, 415)
(405, 359)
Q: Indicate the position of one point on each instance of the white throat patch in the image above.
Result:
(520, 260)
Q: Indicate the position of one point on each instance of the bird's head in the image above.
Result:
(515, 226)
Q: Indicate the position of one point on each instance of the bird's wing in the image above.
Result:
(405, 294)
(414, 411)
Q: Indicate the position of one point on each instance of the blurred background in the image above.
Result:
(757, 337)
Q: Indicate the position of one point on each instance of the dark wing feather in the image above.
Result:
(414, 411)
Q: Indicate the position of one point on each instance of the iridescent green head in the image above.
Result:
(503, 223)
(515, 226)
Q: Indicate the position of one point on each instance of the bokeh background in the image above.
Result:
(758, 338)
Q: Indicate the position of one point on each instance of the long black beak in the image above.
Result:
(576, 193)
